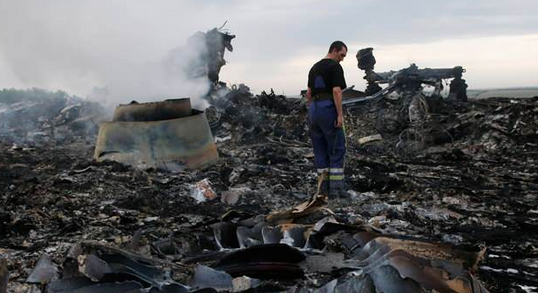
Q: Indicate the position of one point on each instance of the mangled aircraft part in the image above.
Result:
(473, 183)
(44, 271)
(106, 271)
(385, 264)
(213, 44)
(161, 137)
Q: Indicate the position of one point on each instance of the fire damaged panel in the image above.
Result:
(157, 135)
(169, 109)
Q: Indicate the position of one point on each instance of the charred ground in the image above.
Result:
(469, 177)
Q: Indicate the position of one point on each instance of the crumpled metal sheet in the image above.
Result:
(44, 271)
(105, 269)
(379, 263)
(171, 144)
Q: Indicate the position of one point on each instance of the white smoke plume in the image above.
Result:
(113, 51)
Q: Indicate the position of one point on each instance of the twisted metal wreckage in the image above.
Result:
(305, 245)
(258, 254)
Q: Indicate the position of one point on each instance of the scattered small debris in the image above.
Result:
(367, 139)
(202, 191)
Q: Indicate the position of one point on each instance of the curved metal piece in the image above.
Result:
(264, 261)
(172, 144)
(155, 111)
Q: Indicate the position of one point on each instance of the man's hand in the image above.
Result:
(337, 96)
(339, 121)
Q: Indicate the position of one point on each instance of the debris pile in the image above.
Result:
(39, 116)
(435, 212)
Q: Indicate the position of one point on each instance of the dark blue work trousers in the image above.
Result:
(329, 143)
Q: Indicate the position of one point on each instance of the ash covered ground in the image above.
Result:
(467, 176)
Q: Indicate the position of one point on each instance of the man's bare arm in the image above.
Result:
(337, 96)
(309, 96)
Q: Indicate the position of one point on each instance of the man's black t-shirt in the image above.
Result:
(325, 75)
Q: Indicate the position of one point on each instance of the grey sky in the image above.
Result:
(76, 45)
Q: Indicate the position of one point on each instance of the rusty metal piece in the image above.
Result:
(428, 250)
(173, 144)
(314, 204)
(402, 265)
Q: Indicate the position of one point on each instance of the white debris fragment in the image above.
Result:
(202, 191)
(367, 139)
(222, 139)
(528, 289)
(244, 283)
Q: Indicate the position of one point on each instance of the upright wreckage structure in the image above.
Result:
(408, 113)
(409, 84)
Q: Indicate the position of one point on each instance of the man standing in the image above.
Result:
(325, 118)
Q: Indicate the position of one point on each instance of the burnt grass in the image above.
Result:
(477, 188)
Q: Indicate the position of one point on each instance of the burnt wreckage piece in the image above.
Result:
(358, 258)
(167, 135)
(408, 82)
(105, 269)
(213, 45)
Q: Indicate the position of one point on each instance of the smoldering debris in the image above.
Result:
(37, 116)
(469, 190)
(441, 203)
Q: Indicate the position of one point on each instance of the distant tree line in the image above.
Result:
(11, 96)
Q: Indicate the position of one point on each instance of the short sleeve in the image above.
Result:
(338, 79)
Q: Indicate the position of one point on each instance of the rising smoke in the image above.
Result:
(110, 51)
(173, 76)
